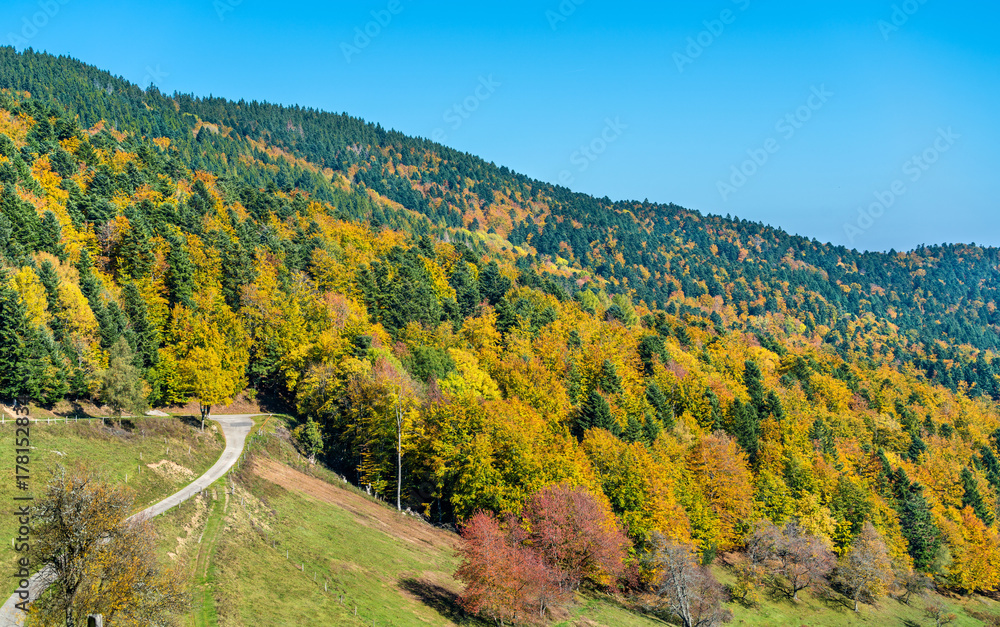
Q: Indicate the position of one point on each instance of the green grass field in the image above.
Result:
(119, 456)
(816, 611)
(282, 543)
(397, 570)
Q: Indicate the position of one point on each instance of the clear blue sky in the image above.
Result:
(665, 117)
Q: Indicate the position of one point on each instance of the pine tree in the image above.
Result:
(972, 498)
(595, 414)
(633, 430)
(15, 368)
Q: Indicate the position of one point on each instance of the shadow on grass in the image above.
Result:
(191, 421)
(75, 410)
(834, 600)
(441, 600)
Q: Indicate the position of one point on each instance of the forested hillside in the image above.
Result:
(692, 373)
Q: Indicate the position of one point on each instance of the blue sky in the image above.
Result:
(871, 124)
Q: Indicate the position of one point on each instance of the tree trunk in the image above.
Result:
(399, 458)
(206, 410)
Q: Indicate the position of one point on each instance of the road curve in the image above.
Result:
(235, 428)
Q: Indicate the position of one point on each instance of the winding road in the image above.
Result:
(235, 428)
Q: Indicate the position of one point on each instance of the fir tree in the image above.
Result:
(744, 425)
(15, 367)
(633, 430)
(917, 525)
(660, 404)
(595, 414)
(972, 498)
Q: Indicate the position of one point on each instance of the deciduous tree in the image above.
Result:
(865, 571)
(96, 559)
(794, 559)
(684, 588)
(503, 579)
(576, 533)
(121, 384)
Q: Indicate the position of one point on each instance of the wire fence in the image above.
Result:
(327, 584)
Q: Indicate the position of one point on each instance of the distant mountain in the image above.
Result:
(935, 307)
(482, 335)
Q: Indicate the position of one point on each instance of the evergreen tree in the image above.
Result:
(15, 368)
(608, 379)
(633, 430)
(922, 536)
(492, 284)
(595, 414)
(143, 336)
(754, 382)
(744, 425)
(972, 498)
(658, 400)
(180, 272)
(991, 465)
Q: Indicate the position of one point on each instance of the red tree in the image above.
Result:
(576, 534)
(504, 580)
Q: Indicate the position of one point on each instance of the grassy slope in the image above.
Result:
(111, 454)
(816, 611)
(393, 568)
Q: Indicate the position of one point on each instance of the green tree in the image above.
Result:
(744, 425)
(916, 522)
(15, 368)
(310, 438)
(754, 382)
(122, 384)
(596, 414)
(972, 498)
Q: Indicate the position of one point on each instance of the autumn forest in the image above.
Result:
(596, 394)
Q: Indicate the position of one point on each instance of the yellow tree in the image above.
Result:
(212, 351)
(975, 551)
(719, 471)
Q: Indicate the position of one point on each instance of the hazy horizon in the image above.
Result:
(787, 115)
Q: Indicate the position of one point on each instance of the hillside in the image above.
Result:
(153, 457)
(346, 550)
(934, 307)
(690, 373)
